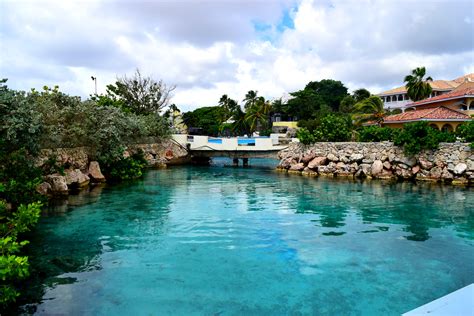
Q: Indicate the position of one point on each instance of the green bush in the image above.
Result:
(417, 136)
(14, 267)
(305, 136)
(377, 134)
(466, 131)
(334, 128)
(124, 168)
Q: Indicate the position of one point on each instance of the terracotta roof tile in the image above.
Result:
(439, 113)
(462, 90)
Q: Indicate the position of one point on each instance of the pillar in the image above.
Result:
(245, 162)
(235, 162)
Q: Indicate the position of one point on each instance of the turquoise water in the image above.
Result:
(225, 241)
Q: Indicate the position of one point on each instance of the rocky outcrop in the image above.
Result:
(451, 163)
(76, 179)
(94, 172)
(58, 184)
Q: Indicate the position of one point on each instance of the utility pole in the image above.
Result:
(95, 83)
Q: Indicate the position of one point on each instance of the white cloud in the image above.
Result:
(209, 48)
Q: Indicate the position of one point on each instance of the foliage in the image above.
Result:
(334, 128)
(305, 136)
(12, 266)
(140, 95)
(360, 95)
(124, 168)
(417, 87)
(317, 96)
(258, 114)
(369, 110)
(207, 118)
(466, 131)
(377, 134)
(347, 104)
(417, 136)
(331, 128)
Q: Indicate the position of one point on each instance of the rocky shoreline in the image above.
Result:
(81, 171)
(452, 163)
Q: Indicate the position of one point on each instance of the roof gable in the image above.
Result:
(439, 113)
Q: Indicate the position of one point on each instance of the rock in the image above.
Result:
(425, 164)
(332, 157)
(377, 167)
(94, 172)
(307, 158)
(356, 157)
(409, 161)
(460, 181)
(436, 172)
(297, 167)
(403, 173)
(344, 159)
(415, 169)
(44, 188)
(318, 161)
(387, 165)
(75, 178)
(58, 184)
(446, 175)
(460, 168)
(366, 168)
(470, 165)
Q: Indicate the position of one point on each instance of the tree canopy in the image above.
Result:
(417, 87)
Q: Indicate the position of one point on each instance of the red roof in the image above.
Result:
(439, 113)
(463, 90)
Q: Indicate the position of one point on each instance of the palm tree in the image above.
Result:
(240, 126)
(369, 110)
(250, 99)
(417, 87)
(258, 114)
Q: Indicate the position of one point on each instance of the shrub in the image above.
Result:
(124, 168)
(12, 266)
(417, 136)
(334, 128)
(377, 134)
(466, 131)
(305, 136)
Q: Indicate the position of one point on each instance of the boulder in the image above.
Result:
(58, 184)
(446, 175)
(316, 162)
(94, 172)
(436, 172)
(356, 157)
(297, 167)
(409, 161)
(460, 168)
(44, 188)
(415, 169)
(425, 164)
(332, 157)
(387, 165)
(308, 157)
(470, 165)
(377, 167)
(75, 178)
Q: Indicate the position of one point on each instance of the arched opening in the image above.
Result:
(409, 109)
(447, 128)
(432, 125)
(400, 97)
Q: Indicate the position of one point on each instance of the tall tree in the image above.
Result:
(141, 95)
(418, 88)
(250, 99)
(369, 110)
(360, 94)
(258, 115)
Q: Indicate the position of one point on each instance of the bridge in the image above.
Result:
(205, 147)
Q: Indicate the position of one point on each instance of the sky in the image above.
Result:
(208, 48)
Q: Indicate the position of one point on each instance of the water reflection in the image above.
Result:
(202, 233)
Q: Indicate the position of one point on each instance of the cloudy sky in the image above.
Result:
(212, 47)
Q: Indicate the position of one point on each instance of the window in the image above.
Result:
(400, 97)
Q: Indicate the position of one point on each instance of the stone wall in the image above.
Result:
(81, 169)
(451, 163)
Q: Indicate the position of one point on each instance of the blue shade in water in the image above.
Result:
(226, 241)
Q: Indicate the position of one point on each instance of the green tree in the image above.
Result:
(141, 95)
(334, 128)
(360, 94)
(208, 118)
(258, 114)
(347, 104)
(250, 99)
(417, 87)
(369, 110)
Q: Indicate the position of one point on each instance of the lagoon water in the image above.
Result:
(233, 241)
